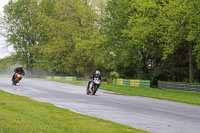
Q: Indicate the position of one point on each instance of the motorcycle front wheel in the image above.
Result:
(14, 83)
(94, 90)
(87, 91)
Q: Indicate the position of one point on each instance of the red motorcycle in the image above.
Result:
(93, 86)
(17, 78)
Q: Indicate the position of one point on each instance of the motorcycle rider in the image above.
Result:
(18, 70)
(96, 75)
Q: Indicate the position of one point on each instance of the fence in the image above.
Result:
(130, 82)
(179, 86)
(61, 78)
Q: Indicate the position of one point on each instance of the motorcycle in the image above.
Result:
(17, 78)
(93, 86)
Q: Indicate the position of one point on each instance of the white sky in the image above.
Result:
(4, 51)
(2, 3)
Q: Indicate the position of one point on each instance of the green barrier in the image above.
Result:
(74, 78)
(126, 82)
(179, 86)
(50, 77)
(56, 77)
(61, 78)
(114, 81)
(135, 83)
(145, 83)
(131, 82)
(118, 81)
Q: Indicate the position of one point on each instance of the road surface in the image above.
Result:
(157, 116)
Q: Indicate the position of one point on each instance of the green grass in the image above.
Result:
(7, 76)
(23, 115)
(171, 95)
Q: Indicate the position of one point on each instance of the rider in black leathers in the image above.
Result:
(18, 70)
(96, 75)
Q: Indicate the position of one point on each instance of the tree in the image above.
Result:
(183, 28)
(50, 33)
(146, 36)
(21, 19)
(117, 15)
(7, 65)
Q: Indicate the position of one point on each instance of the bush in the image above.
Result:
(114, 75)
(109, 80)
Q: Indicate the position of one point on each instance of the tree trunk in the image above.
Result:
(190, 64)
(86, 76)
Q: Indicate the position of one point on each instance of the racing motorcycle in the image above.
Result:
(17, 78)
(93, 86)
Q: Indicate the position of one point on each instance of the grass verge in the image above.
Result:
(171, 95)
(20, 114)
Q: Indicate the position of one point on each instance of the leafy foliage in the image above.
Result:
(148, 39)
(55, 36)
(7, 65)
(149, 36)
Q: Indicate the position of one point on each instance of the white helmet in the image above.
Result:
(97, 73)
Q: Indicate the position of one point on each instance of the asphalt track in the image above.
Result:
(157, 116)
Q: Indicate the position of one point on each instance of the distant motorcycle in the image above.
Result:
(17, 78)
(93, 86)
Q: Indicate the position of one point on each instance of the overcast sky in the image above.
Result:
(2, 3)
(4, 51)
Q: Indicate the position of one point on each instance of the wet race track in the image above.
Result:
(157, 116)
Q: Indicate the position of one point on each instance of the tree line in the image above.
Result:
(148, 39)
